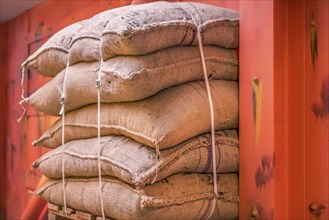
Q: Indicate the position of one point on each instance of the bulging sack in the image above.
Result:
(160, 121)
(131, 78)
(52, 57)
(136, 30)
(142, 29)
(182, 196)
(137, 164)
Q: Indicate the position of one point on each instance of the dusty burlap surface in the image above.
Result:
(137, 164)
(160, 121)
(52, 56)
(182, 196)
(142, 29)
(136, 30)
(130, 78)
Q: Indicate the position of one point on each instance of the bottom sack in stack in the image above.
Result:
(129, 168)
(181, 196)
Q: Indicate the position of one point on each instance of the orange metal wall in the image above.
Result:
(2, 126)
(256, 152)
(316, 90)
(282, 170)
(301, 133)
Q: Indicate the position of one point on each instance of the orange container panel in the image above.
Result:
(257, 152)
(284, 112)
(316, 105)
(2, 127)
(301, 118)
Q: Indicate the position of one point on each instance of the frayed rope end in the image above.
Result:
(157, 156)
(24, 109)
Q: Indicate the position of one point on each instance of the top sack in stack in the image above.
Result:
(51, 57)
(137, 30)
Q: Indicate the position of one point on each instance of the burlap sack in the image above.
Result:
(130, 78)
(182, 196)
(52, 57)
(137, 164)
(86, 45)
(160, 121)
(145, 28)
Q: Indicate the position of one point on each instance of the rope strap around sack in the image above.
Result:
(212, 117)
(212, 121)
(98, 86)
(62, 113)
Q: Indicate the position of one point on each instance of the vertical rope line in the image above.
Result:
(62, 112)
(213, 201)
(23, 79)
(212, 116)
(212, 120)
(157, 157)
(98, 86)
(63, 161)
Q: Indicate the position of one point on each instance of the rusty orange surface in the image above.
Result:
(283, 169)
(316, 90)
(301, 132)
(257, 161)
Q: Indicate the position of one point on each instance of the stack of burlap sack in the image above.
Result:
(156, 156)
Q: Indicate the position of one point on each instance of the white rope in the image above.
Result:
(212, 117)
(98, 86)
(214, 202)
(22, 80)
(157, 157)
(62, 112)
(212, 121)
(22, 95)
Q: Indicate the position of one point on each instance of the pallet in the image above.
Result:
(56, 212)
